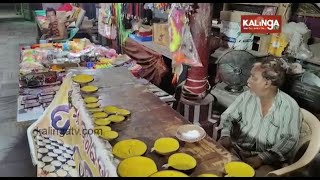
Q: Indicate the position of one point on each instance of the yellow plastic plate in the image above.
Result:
(116, 118)
(100, 115)
(207, 175)
(102, 122)
(239, 169)
(169, 173)
(89, 89)
(83, 78)
(129, 148)
(123, 112)
(111, 109)
(165, 145)
(182, 161)
(99, 130)
(94, 110)
(109, 135)
(137, 166)
(90, 99)
(92, 105)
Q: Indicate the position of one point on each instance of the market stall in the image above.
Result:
(145, 119)
(108, 122)
(156, 36)
(43, 67)
(73, 18)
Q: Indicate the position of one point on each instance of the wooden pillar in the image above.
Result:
(196, 84)
(195, 103)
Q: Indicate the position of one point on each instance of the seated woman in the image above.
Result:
(56, 29)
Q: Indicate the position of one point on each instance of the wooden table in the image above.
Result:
(89, 30)
(157, 48)
(152, 119)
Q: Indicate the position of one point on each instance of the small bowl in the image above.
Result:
(189, 127)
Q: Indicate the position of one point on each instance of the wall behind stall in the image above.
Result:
(90, 9)
(50, 5)
(159, 14)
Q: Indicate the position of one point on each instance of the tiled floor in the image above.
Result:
(14, 150)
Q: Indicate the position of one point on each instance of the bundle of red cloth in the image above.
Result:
(145, 31)
(65, 7)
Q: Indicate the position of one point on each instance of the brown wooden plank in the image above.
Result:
(259, 4)
(308, 14)
(284, 10)
(152, 119)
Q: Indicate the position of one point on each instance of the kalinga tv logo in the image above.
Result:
(262, 24)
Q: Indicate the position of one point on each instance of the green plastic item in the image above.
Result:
(40, 12)
(123, 33)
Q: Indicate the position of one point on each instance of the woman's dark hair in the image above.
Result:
(51, 10)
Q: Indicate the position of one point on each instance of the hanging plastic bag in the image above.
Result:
(111, 31)
(181, 41)
(176, 22)
(187, 53)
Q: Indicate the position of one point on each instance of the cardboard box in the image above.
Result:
(233, 16)
(262, 46)
(231, 32)
(161, 34)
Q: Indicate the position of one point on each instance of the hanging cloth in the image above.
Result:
(130, 9)
(123, 33)
(126, 20)
(137, 9)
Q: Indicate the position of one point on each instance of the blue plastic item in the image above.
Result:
(140, 38)
(90, 65)
(43, 41)
(66, 46)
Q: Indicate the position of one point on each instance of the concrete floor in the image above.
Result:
(14, 149)
(15, 157)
